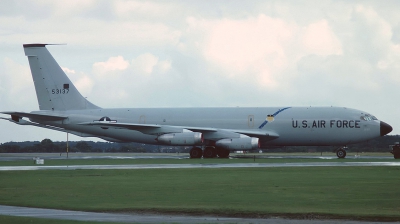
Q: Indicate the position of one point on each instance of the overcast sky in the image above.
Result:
(206, 54)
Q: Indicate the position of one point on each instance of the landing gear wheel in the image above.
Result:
(196, 153)
(341, 153)
(396, 151)
(209, 152)
(223, 153)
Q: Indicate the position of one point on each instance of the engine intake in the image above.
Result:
(247, 143)
(184, 138)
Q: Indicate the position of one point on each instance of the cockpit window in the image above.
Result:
(368, 117)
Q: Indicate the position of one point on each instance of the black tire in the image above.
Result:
(196, 153)
(209, 152)
(341, 153)
(223, 153)
(396, 152)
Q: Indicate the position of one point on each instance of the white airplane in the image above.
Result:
(211, 132)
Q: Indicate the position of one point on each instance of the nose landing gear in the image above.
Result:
(396, 150)
(341, 152)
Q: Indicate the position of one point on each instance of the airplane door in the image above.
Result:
(142, 119)
(250, 121)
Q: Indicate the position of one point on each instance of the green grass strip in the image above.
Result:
(366, 192)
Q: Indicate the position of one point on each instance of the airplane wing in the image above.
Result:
(157, 129)
(35, 116)
(150, 129)
(132, 126)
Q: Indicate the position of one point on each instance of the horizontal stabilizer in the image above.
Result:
(35, 116)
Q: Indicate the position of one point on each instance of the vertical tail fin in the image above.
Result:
(54, 90)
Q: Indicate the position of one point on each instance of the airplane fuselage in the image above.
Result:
(305, 126)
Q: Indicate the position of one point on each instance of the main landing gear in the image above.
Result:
(341, 152)
(209, 152)
(196, 152)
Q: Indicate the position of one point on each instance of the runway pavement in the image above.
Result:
(187, 166)
(149, 218)
(121, 156)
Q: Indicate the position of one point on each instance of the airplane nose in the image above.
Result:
(385, 128)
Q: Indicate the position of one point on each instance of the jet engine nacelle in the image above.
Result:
(247, 143)
(184, 138)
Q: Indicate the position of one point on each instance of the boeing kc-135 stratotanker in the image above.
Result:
(211, 132)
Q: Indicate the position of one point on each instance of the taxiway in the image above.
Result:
(150, 218)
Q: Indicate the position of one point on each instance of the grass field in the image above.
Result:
(335, 192)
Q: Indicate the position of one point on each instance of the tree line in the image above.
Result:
(47, 145)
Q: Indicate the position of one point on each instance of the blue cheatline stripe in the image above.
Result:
(276, 113)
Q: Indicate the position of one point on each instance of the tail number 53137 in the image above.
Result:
(59, 91)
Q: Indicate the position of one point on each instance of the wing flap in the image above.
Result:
(258, 133)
